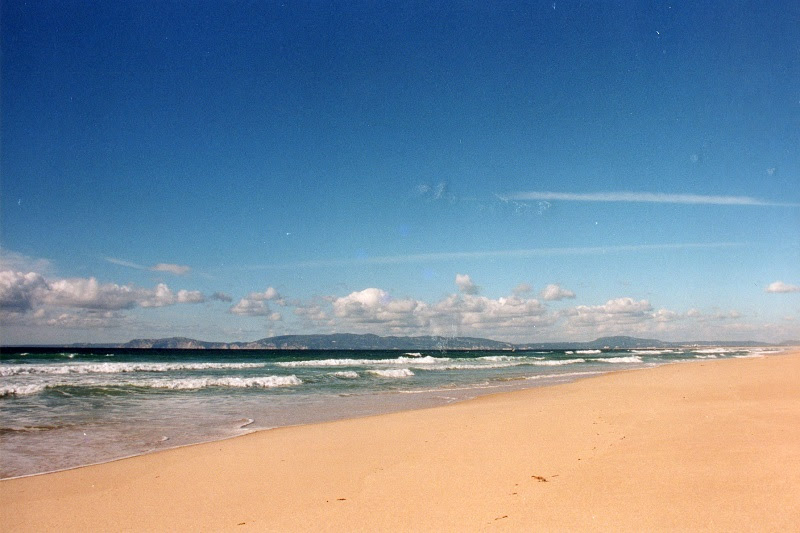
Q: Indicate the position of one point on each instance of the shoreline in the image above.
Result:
(478, 392)
(346, 417)
(306, 462)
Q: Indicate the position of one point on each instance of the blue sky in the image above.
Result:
(525, 171)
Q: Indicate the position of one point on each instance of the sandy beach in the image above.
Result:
(711, 445)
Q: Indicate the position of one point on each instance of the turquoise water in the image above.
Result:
(61, 408)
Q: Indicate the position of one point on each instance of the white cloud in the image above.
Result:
(375, 310)
(251, 307)
(554, 292)
(18, 291)
(269, 294)
(781, 287)
(190, 297)
(614, 312)
(666, 315)
(255, 304)
(375, 306)
(480, 313)
(466, 285)
(644, 197)
(90, 294)
(21, 292)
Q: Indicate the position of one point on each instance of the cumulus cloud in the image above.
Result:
(374, 309)
(466, 285)
(251, 307)
(376, 306)
(22, 292)
(516, 317)
(255, 304)
(781, 287)
(614, 312)
(313, 312)
(90, 294)
(18, 291)
(666, 315)
(190, 297)
(269, 294)
(554, 292)
(480, 313)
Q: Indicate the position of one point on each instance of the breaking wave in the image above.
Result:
(558, 362)
(393, 373)
(625, 359)
(264, 382)
(116, 368)
(346, 374)
(427, 360)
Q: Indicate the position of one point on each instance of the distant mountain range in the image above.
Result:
(349, 341)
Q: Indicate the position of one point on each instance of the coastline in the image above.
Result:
(703, 445)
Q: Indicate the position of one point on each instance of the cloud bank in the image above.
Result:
(26, 291)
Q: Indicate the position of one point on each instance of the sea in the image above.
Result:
(64, 408)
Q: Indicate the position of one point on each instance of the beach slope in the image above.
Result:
(709, 445)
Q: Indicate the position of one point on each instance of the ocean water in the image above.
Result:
(66, 408)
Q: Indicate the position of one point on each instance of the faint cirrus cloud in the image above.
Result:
(172, 268)
(644, 197)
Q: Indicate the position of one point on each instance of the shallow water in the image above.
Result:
(61, 409)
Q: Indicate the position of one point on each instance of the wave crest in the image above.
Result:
(118, 368)
(393, 373)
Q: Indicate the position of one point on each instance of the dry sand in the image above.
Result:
(708, 445)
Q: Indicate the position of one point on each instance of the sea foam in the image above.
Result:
(558, 362)
(116, 368)
(626, 359)
(263, 382)
(345, 374)
(427, 360)
(393, 373)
